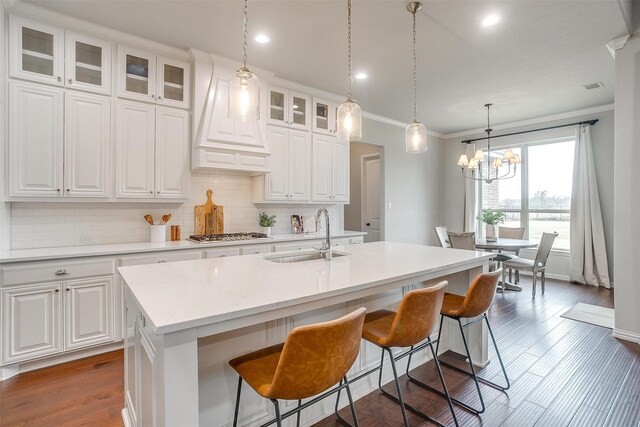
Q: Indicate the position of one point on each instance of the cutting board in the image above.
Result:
(209, 218)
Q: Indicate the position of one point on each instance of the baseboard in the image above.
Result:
(561, 277)
(626, 335)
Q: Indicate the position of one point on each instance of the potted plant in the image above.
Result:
(492, 219)
(266, 222)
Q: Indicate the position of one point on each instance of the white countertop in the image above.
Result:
(22, 255)
(187, 294)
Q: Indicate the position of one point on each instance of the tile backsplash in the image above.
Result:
(41, 225)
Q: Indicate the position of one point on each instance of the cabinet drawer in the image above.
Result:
(221, 253)
(54, 271)
(256, 249)
(338, 242)
(297, 246)
(160, 258)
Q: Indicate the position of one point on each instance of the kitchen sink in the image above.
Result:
(301, 257)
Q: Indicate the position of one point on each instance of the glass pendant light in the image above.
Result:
(349, 113)
(416, 133)
(244, 89)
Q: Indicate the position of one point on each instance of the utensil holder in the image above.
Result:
(157, 233)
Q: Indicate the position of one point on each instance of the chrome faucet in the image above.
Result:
(326, 245)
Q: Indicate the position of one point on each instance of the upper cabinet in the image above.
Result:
(288, 108)
(330, 169)
(47, 54)
(143, 76)
(324, 116)
(88, 64)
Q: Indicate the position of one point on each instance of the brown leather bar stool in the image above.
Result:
(474, 304)
(414, 321)
(311, 360)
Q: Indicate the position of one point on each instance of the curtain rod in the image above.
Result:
(586, 122)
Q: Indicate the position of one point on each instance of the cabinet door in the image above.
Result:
(277, 181)
(88, 312)
(36, 51)
(35, 139)
(299, 165)
(321, 168)
(323, 121)
(278, 107)
(136, 74)
(87, 145)
(340, 170)
(131, 348)
(30, 322)
(173, 82)
(135, 147)
(172, 153)
(300, 112)
(87, 64)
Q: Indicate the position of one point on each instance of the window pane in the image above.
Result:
(504, 193)
(512, 219)
(548, 223)
(550, 175)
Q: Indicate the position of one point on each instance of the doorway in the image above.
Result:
(365, 212)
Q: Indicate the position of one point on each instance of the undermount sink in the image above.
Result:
(300, 257)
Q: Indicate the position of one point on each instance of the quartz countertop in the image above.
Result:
(41, 254)
(187, 294)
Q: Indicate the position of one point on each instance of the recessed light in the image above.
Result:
(262, 38)
(491, 20)
(361, 76)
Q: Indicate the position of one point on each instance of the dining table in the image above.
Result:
(510, 245)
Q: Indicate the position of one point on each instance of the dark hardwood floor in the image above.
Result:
(563, 373)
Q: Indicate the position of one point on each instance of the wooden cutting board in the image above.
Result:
(209, 218)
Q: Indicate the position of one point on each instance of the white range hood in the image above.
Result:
(221, 143)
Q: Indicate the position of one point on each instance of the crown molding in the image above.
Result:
(396, 123)
(535, 121)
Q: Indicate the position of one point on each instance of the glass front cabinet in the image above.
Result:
(288, 108)
(88, 64)
(324, 116)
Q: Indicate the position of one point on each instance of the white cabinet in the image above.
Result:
(88, 312)
(36, 129)
(289, 179)
(143, 76)
(324, 116)
(36, 51)
(35, 140)
(87, 64)
(288, 108)
(330, 169)
(31, 322)
(87, 155)
(152, 157)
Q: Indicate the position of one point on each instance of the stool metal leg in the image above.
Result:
(298, 414)
(439, 334)
(399, 400)
(351, 404)
(276, 404)
(235, 414)
(504, 371)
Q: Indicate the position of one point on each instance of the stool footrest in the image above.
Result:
(482, 380)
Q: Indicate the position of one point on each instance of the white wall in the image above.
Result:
(603, 147)
(353, 211)
(413, 184)
(626, 193)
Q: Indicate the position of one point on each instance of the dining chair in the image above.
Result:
(510, 233)
(443, 238)
(537, 265)
(464, 240)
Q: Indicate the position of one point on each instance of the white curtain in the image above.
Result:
(470, 196)
(588, 262)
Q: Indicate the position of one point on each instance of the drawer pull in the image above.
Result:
(223, 256)
(162, 261)
(61, 272)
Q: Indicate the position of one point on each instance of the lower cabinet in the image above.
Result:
(37, 321)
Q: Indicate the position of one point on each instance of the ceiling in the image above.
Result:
(532, 64)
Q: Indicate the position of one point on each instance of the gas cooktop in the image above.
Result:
(227, 237)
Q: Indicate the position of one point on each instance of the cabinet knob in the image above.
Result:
(70, 81)
(68, 189)
(150, 192)
(68, 289)
(368, 224)
(61, 272)
(159, 97)
(58, 190)
(59, 78)
(153, 96)
(57, 290)
(158, 192)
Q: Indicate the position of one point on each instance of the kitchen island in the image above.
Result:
(185, 320)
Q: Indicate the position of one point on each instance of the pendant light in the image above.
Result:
(244, 89)
(349, 113)
(416, 133)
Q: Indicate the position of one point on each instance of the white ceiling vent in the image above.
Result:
(593, 85)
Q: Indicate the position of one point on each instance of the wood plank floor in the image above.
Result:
(563, 373)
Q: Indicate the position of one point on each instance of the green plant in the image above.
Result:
(491, 217)
(266, 220)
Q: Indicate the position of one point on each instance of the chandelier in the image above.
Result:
(493, 166)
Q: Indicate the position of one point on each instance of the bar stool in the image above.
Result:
(414, 321)
(311, 360)
(474, 304)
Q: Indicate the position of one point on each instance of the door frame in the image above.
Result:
(363, 159)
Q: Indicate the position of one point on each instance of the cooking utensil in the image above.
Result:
(165, 218)
(149, 219)
(209, 218)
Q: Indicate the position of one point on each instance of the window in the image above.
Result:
(538, 197)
